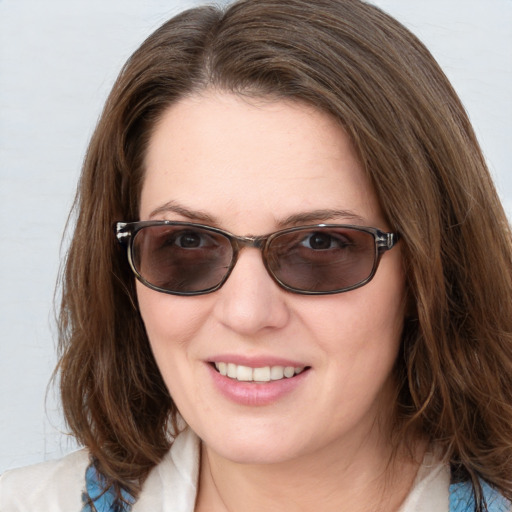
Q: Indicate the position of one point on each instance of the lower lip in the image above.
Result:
(255, 393)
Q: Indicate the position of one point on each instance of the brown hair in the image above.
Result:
(416, 143)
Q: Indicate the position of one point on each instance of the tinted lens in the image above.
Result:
(322, 259)
(181, 258)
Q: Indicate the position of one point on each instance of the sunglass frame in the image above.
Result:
(125, 233)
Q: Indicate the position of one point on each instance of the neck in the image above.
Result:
(360, 477)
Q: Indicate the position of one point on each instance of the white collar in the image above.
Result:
(172, 484)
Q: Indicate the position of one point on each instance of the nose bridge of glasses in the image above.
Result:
(257, 242)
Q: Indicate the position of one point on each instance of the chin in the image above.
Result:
(241, 453)
(261, 446)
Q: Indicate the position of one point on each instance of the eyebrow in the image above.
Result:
(310, 217)
(319, 216)
(173, 206)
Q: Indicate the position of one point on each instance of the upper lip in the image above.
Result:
(255, 361)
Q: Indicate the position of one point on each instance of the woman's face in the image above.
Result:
(252, 167)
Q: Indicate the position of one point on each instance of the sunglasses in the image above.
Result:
(184, 258)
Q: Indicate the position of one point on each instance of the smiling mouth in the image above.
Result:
(263, 374)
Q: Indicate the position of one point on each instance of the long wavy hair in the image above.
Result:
(415, 141)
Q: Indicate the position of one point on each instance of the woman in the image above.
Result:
(363, 360)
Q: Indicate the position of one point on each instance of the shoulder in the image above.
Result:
(55, 485)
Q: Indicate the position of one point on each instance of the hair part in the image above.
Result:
(415, 142)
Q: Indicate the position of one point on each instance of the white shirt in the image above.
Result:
(171, 486)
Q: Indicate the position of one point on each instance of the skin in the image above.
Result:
(246, 166)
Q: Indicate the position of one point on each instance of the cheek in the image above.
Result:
(360, 341)
(361, 331)
(172, 323)
(359, 317)
(169, 319)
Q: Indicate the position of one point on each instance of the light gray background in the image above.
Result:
(58, 60)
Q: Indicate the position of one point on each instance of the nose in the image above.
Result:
(250, 301)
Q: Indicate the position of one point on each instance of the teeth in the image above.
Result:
(231, 370)
(243, 373)
(289, 371)
(264, 374)
(261, 374)
(277, 372)
(223, 368)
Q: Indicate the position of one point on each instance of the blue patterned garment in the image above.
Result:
(461, 497)
(103, 500)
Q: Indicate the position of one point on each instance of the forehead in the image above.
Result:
(235, 157)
